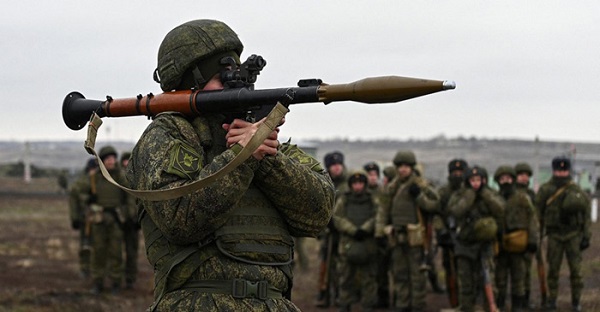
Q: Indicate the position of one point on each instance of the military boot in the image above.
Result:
(344, 308)
(550, 305)
(116, 287)
(322, 300)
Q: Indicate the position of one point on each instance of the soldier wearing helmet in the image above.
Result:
(519, 239)
(446, 229)
(400, 217)
(524, 173)
(209, 249)
(477, 210)
(107, 211)
(564, 210)
(354, 218)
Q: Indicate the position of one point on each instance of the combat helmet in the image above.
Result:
(504, 169)
(192, 51)
(523, 168)
(405, 157)
(372, 166)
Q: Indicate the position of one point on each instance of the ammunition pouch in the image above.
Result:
(415, 234)
(360, 252)
(515, 241)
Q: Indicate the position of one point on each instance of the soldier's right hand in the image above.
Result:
(75, 224)
(585, 243)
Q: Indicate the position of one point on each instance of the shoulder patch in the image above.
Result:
(184, 161)
(294, 152)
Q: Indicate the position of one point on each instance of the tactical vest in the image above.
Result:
(107, 194)
(404, 209)
(359, 209)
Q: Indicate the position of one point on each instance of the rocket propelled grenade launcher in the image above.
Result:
(240, 100)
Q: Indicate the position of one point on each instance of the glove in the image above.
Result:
(414, 190)
(93, 198)
(532, 247)
(75, 224)
(361, 234)
(585, 243)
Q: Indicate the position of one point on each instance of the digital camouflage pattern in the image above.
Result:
(565, 213)
(467, 207)
(180, 232)
(519, 215)
(357, 273)
(399, 208)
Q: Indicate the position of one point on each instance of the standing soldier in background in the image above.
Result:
(446, 227)
(383, 258)
(131, 233)
(565, 213)
(519, 238)
(400, 217)
(78, 210)
(524, 173)
(328, 280)
(107, 214)
(477, 211)
(354, 218)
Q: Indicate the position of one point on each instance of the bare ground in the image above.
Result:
(39, 266)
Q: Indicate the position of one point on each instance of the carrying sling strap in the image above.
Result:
(558, 192)
(263, 131)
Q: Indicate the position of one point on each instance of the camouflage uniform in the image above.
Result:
(228, 246)
(400, 205)
(78, 202)
(107, 207)
(519, 214)
(354, 218)
(519, 169)
(565, 211)
(468, 207)
(445, 227)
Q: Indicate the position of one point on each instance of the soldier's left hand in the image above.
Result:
(414, 190)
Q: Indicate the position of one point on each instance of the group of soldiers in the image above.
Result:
(384, 234)
(106, 218)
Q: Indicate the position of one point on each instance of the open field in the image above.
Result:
(39, 266)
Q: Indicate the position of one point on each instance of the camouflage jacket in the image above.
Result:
(174, 151)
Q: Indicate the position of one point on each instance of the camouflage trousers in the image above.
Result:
(559, 245)
(85, 250)
(409, 279)
(358, 283)
(513, 266)
(107, 255)
(470, 282)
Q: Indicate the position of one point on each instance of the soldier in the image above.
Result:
(524, 173)
(565, 213)
(78, 210)
(519, 237)
(477, 211)
(354, 218)
(375, 188)
(227, 246)
(329, 238)
(107, 208)
(400, 217)
(446, 229)
(131, 234)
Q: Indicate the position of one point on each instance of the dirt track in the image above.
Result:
(39, 269)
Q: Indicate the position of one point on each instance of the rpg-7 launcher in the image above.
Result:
(240, 100)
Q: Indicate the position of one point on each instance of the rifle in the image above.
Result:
(488, 286)
(324, 273)
(541, 270)
(451, 278)
(239, 97)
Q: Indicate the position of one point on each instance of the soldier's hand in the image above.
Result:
(414, 190)
(361, 234)
(76, 224)
(532, 247)
(240, 131)
(585, 243)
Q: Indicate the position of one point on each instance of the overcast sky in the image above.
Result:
(522, 68)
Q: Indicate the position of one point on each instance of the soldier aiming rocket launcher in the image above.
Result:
(240, 100)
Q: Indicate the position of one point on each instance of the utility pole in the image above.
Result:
(27, 163)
